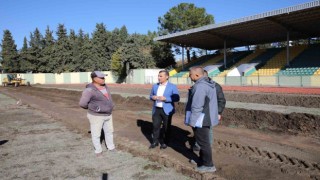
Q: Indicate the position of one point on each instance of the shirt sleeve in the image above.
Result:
(221, 99)
(85, 98)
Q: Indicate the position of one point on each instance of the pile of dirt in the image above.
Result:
(294, 123)
(310, 101)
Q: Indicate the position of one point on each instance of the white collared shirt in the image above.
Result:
(160, 92)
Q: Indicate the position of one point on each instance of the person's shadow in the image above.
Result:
(178, 139)
(3, 142)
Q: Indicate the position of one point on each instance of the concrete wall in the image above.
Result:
(63, 78)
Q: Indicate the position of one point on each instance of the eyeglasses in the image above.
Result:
(101, 77)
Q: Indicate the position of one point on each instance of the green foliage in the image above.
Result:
(101, 48)
(161, 52)
(76, 52)
(9, 53)
(183, 17)
(117, 62)
(62, 55)
(25, 64)
(46, 63)
(86, 56)
(36, 45)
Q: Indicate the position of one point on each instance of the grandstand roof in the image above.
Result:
(303, 21)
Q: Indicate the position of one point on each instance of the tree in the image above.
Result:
(24, 58)
(100, 48)
(161, 52)
(9, 53)
(62, 53)
(117, 63)
(35, 50)
(75, 52)
(183, 17)
(47, 59)
(87, 62)
(134, 53)
(123, 33)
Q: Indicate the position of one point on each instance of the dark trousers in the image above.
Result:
(159, 117)
(202, 138)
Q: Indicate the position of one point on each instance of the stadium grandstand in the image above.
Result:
(292, 65)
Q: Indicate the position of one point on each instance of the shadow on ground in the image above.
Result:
(180, 140)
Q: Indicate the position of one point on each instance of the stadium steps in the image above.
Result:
(310, 57)
(275, 64)
(242, 61)
(213, 60)
(197, 62)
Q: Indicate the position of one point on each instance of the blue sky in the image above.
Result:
(22, 17)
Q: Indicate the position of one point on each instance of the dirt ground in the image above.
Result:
(249, 144)
(33, 145)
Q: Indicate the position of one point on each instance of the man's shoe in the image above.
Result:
(153, 145)
(99, 155)
(204, 169)
(191, 161)
(163, 146)
(113, 150)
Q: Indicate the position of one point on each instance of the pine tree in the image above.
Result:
(100, 47)
(36, 45)
(24, 61)
(62, 55)
(86, 56)
(9, 53)
(123, 34)
(75, 51)
(47, 59)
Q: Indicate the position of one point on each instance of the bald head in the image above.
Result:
(196, 73)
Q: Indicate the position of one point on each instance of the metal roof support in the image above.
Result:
(225, 53)
(288, 48)
(207, 55)
(182, 57)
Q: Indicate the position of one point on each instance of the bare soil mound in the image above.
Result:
(294, 123)
(310, 101)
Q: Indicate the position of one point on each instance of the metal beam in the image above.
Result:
(222, 36)
(288, 27)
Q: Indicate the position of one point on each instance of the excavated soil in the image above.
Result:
(249, 144)
(310, 101)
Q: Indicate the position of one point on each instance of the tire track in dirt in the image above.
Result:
(255, 153)
(288, 165)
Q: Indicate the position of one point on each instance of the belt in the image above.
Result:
(159, 107)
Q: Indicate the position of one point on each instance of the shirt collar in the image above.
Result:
(164, 84)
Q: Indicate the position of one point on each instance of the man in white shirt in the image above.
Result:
(164, 94)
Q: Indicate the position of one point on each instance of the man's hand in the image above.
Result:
(161, 98)
(219, 117)
(155, 97)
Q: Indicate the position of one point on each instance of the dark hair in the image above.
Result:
(165, 71)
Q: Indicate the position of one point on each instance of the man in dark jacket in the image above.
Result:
(97, 99)
(201, 114)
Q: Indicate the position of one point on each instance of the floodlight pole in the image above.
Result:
(288, 49)
(225, 53)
